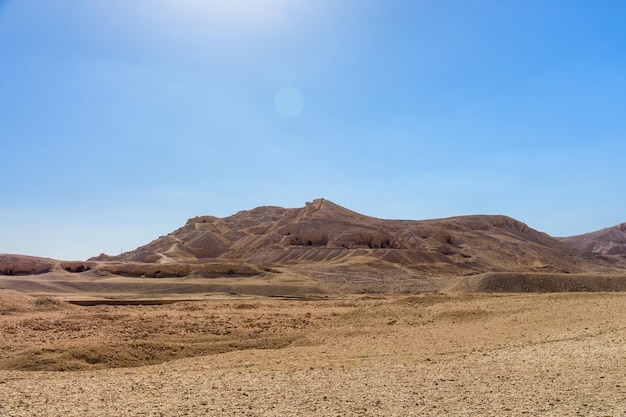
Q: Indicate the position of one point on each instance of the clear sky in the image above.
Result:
(121, 119)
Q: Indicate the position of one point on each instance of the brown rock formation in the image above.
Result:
(608, 241)
(322, 235)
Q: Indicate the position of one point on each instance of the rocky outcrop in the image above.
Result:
(15, 265)
(25, 265)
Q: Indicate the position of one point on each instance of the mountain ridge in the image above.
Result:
(323, 247)
(323, 231)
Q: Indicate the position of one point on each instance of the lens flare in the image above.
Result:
(289, 101)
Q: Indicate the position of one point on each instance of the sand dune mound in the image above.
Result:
(16, 302)
(500, 282)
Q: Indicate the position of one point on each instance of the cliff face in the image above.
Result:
(324, 233)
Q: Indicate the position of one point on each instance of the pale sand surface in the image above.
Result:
(493, 355)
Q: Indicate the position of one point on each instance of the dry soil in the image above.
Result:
(426, 355)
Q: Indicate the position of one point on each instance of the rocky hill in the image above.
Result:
(608, 241)
(11, 265)
(323, 235)
(337, 250)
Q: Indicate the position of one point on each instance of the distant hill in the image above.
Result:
(330, 248)
(325, 234)
(608, 241)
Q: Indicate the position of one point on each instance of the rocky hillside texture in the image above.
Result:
(323, 237)
(323, 247)
(30, 265)
(608, 241)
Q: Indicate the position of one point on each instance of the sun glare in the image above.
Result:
(245, 12)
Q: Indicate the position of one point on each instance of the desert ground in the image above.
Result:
(552, 354)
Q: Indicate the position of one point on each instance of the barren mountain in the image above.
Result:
(325, 247)
(323, 235)
(608, 241)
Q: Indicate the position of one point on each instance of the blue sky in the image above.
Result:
(120, 119)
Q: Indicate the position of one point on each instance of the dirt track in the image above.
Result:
(533, 354)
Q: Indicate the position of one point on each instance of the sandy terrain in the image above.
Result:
(505, 354)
